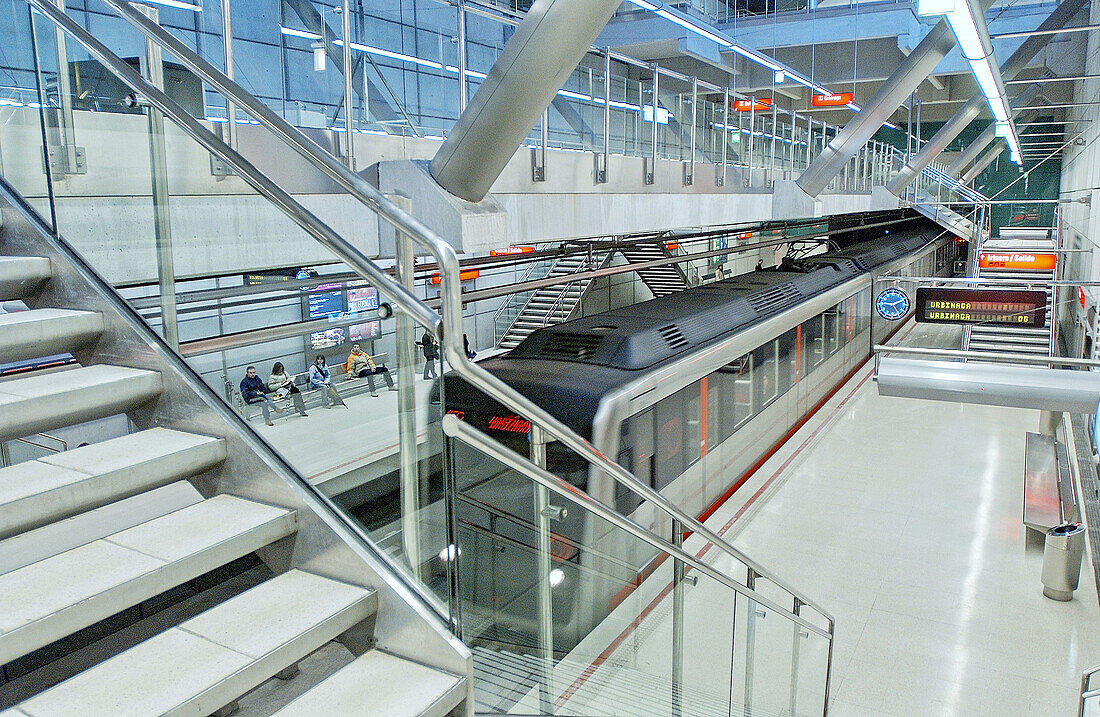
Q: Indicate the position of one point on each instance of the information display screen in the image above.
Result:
(326, 301)
(981, 306)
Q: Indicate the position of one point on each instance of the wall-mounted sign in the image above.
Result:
(512, 250)
(838, 100)
(1025, 261)
(1001, 307)
(467, 275)
(647, 114)
(361, 297)
(892, 304)
(747, 105)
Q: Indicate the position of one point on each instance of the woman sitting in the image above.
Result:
(282, 385)
(321, 378)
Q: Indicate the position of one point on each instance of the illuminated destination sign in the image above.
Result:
(1027, 261)
(982, 306)
(749, 106)
(838, 100)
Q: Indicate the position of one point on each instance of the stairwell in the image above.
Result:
(88, 535)
(661, 280)
(554, 304)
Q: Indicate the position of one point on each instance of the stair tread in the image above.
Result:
(398, 688)
(62, 484)
(19, 274)
(47, 600)
(43, 332)
(63, 398)
(213, 658)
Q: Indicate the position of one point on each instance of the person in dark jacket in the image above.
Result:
(431, 353)
(253, 391)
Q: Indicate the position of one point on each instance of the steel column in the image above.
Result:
(690, 179)
(984, 161)
(542, 576)
(345, 31)
(656, 126)
(721, 177)
(227, 45)
(536, 62)
(461, 59)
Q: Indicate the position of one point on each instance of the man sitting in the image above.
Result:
(360, 365)
(253, 391)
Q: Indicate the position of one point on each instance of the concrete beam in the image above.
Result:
(1030, 47)
(912, 71)
(545, 49)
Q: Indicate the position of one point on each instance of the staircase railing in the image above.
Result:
(1089, 704)
(448, 328)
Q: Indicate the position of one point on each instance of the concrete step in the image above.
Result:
(55, 538)
(45, 332)
(20, 274)
(1008, 348)
(211, 660)
(57, 486)
(378, 683)
(52, 598)
(992, 335)
(65, 398)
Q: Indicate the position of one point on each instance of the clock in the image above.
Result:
(892, 304)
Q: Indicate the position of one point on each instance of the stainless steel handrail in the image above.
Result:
(64, 445)
(449, 329)
(1087, 694)
(477, 439)
(1010, 358)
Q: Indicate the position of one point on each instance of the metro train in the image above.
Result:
(689, 392)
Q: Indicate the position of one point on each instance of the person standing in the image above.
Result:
(253, 391)
(431, 353)
(320, 378)
(279, 381)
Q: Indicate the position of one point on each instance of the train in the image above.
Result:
(689, 392)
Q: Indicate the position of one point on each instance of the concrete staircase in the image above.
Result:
(661, 280)
(553, 304)
(88, 534)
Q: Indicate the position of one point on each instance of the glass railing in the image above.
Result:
(1089, 705)
(196, 236)
(634, 617)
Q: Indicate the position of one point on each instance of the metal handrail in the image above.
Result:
(448, 329)
(478, 440)
(1086, 694)
(984, 355)
(64, 445)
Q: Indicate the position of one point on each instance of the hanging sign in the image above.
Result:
(512, 250)
(465, 275)
(1025, 261)
(1001, 307)
(838, 100)
(747, 105)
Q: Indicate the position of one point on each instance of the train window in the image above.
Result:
(766, 374)
(716, 390)
(743, 404)
(669, 432)
(830, 320)
(637, 455)
(693, 424)
(813, 338)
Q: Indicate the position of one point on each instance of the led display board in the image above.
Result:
(998, 307)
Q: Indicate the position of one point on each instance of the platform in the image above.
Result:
(901, 517)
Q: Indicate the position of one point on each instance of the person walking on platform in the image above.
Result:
(361, 365)
(321, 378)
(282, 385)
(431, 353)
(254, 391)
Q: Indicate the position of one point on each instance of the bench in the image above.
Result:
(345, 385)
(1049, 496)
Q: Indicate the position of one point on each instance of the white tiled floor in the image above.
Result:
(903, 518)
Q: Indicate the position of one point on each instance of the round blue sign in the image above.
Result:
(892, 304)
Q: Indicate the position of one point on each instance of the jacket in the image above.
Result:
(429, 346)
(318, 376)
(276, 380)
(252, 388)
(358, 362)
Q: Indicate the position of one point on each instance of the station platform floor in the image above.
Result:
(902, 518)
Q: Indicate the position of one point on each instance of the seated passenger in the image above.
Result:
(283, 385)
(321, 378)
(361, 365)
(254, 391)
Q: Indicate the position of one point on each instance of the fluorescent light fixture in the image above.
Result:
(298, 33)
(178, 4)
(780, 75)
(1001, 129)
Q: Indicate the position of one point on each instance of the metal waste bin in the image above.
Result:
(1065, 545)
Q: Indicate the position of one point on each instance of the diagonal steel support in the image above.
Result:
(913, 70)
(545, 49)
(1030, 47)
(1029, 96)
(984, 161)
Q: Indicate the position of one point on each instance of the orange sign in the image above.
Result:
(672, 246)
(1081, 295)
(746, 105)
(462, 275)
(1016, 260)
(512, 250)
(837, 100)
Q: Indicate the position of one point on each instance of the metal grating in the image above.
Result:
(570, 346)
(776, 298)
(673, 337)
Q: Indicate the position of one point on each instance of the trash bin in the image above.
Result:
(1065, 545)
